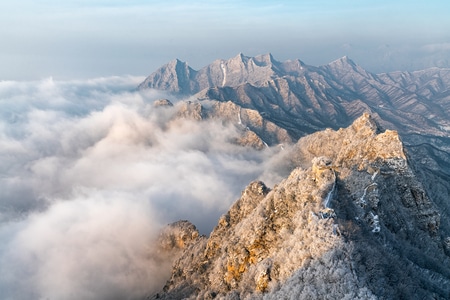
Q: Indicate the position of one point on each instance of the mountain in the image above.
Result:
(178, 77)
(303, 99)
(308, 98)
(385, 232)
(351, 221)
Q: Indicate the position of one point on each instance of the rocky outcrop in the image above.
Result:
(162, 103)
(350, 221)
(178, 236)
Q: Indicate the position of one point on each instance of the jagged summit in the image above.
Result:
(175, 76)
(350, 221)
(345, 68)
(235, 71)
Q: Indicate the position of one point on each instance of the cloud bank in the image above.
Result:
(91, 171)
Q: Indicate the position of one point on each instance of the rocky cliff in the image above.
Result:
(351, 221)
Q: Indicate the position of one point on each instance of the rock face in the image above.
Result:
(351, 221)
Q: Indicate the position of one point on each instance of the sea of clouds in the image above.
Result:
(90, 172)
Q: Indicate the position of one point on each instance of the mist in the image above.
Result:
(91, 172)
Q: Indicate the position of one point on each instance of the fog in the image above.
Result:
(91, 171)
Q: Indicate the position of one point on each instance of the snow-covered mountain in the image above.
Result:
(351, 221)
(365, 212)
(307, 98)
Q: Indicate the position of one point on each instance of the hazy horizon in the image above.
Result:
(87, 39)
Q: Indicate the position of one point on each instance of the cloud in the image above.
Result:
(95, 246)
(90, 173)
(438, 47)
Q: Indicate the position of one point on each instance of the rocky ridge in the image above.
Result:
(306, 98)
(299, 99)
(351, 221)
(178, 77)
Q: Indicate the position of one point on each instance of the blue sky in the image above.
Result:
(82, 39)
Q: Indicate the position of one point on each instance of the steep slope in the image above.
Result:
(351, 221)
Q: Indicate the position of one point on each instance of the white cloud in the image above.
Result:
(95, 246)
(91, 171)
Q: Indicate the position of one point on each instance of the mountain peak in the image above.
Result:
(366, 121)
(173, 63)
(343, 61)
(175, 76)
(240, 57)
(311, 231)
(345, 67)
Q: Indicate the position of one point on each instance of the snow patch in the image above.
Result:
(374, 175)
(362, 201)
(375, 223)
(224, 71)
(330, 194)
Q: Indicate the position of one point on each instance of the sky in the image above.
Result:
(96, 38)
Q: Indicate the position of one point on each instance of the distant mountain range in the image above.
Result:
(390, 193)
(306, 98)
